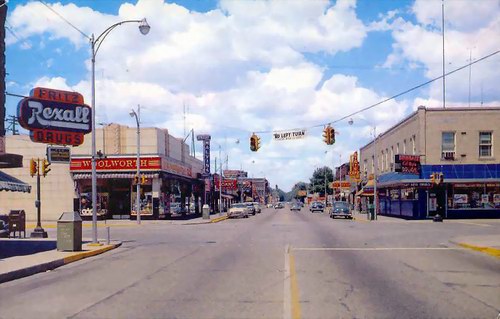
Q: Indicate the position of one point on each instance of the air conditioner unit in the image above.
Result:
(448, 155)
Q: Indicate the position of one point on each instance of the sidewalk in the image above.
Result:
(22, 266)
(214, 218)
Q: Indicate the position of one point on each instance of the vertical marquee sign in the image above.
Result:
(55, 117)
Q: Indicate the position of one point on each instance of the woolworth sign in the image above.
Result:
(55, 117)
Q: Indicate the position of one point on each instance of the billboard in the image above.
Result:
(408, 164)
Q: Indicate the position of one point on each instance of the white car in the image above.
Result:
(257, 207)
(238, 210)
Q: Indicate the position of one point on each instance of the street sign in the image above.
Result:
(58, 154)
(289, 135)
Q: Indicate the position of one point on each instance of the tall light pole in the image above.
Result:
(375, 165)
(138, 162)
(95, 44)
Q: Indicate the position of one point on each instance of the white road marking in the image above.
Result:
(371, 248)
(287, 300)
(469, 223)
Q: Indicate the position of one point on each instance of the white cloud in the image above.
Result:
(470, 27)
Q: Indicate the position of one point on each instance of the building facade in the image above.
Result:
(457, 144)
(170, 173)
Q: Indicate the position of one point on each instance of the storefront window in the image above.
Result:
(474, 196)
(409, 193)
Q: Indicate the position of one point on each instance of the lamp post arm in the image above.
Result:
(98, 41)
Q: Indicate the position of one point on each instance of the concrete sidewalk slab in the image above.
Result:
(22, 266)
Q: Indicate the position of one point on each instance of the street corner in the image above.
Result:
(492, 251)
(486, 244)
(218, 219)
(89, 250)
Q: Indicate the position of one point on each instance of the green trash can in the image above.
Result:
(371, 212)
(69, 232)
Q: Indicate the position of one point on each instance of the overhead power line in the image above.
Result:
(64, 19)
(394, 96)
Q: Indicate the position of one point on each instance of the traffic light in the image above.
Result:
(440, 178)
(33, 167)
(136, 179)
(254, 143)
(433, 178)
(326, 135)
(45, 167)
(144, 180)
(329, 135)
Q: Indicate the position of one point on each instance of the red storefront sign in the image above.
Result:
(56, 137)
(115, 164)
(55, 116)
(227, 184)
(338, 184)
(176, 168)
(409, 164)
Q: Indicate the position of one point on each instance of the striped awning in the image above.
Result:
(12, 184)
(112, 175)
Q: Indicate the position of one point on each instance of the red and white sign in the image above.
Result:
(55, 117)
(227, 184)
(115, 164)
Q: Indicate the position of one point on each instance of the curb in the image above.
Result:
(31, 270)
(360, 219)
(495, 252)
(218, 219)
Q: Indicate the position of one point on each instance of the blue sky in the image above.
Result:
(242, 66)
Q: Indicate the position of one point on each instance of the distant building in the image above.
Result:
(172, 175)
(455, 143)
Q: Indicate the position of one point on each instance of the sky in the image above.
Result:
(239, 67)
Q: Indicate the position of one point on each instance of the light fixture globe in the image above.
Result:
(144, 27)
(351, 121)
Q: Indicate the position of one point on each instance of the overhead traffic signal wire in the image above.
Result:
(396, 95)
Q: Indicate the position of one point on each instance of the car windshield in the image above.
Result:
(238, 205)
(340, 205)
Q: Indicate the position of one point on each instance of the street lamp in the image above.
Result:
(375, 165)
(95, 44)
(138, 162)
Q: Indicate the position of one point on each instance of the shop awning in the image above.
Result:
(112, 175)
(12, 184)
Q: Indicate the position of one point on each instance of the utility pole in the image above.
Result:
(35, 168)
(442, 30)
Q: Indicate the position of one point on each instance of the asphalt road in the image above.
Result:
(277, 264)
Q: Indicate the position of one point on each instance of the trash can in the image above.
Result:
(17, 222)
(371, 212)
(206, 211)
(69, 232)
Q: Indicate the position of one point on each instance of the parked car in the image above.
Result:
(238, 210)
(251, 208)
(278, 206)
(317, 207)
(340, 209)
(296, 206)
(257, 208)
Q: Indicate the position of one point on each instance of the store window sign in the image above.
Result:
(409, 164)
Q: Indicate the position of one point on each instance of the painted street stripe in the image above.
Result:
(371, 248)
(287, 301)
(469, 223)
(294, 289)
